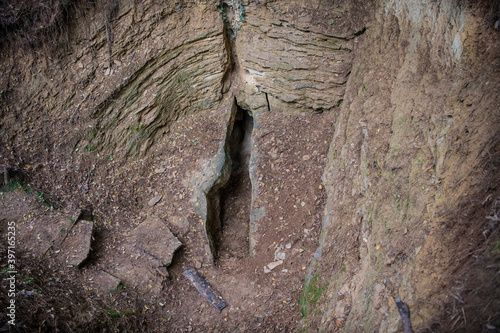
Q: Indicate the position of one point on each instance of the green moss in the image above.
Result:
(418, 161)
(388, 174)
(128, 312)
(91, 147)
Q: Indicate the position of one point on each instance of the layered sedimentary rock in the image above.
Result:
(293, 56)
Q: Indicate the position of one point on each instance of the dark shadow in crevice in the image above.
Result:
(235, 196)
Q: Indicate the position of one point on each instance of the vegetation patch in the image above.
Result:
(311, 295)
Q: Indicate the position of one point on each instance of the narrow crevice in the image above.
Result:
(268, 105)
(235, 196)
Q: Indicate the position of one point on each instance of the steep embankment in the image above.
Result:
(413, 174)
(328, 157)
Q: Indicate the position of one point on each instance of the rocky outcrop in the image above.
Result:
(295, 56)
(180, 80)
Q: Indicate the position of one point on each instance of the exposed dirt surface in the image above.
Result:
(235, 215)
(258, 300)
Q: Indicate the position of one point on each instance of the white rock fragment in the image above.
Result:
(279, 254)
(273, 265)
(154, 201)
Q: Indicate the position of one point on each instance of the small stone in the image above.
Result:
(279, 255)
(289, 245)
(306, 157)
(160, 170)
(155, 200)
(274, 264)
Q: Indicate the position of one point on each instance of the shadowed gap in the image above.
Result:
(235, 196)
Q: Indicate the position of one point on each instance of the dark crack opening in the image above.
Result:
(236, 195)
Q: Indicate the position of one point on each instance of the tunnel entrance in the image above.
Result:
(236, 195)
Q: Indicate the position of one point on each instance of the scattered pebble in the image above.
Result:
(154, 201)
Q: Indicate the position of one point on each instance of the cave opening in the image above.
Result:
(236, 195)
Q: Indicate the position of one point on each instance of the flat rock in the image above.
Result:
(154, 200)
(153, 240)
(139, 275)
(105, 282)
(76, 246)
(272, 265)
(149, 249)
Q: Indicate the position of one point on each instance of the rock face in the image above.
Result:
(180, 80)
(375, 129)
(294, 61)
(397, 178)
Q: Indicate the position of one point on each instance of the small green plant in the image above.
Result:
(113, 313)
(497, 247)
(91, 148)
(121, 286)
(28, 280)
(16, 185)
(44, 199)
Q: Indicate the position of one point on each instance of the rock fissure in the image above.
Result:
(235, 198)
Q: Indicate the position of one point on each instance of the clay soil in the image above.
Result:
(258, 301)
